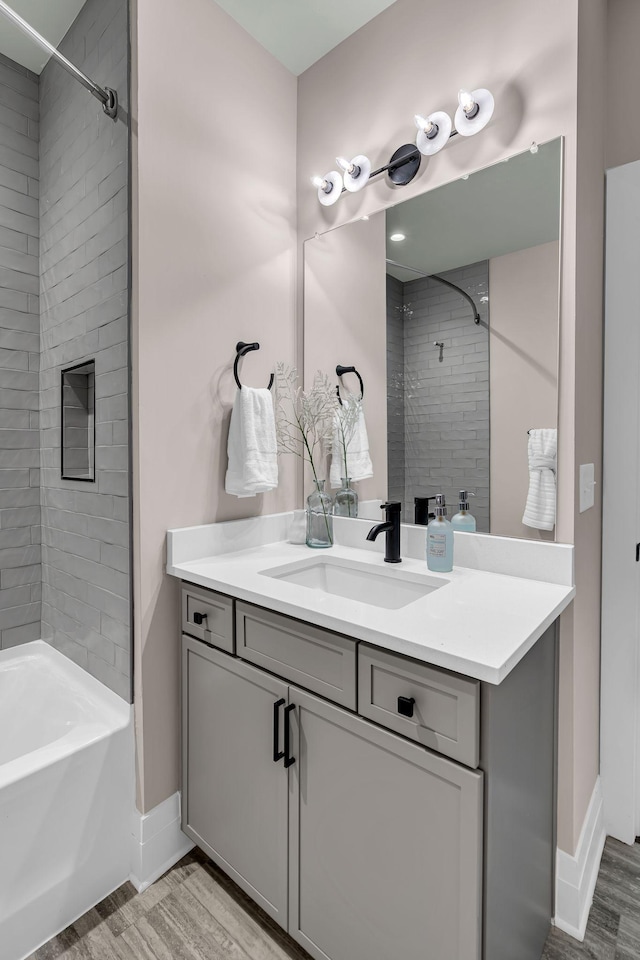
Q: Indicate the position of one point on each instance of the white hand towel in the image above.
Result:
(540, 511)
(252, 448)
(358, 466)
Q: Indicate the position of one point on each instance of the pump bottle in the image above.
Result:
(440, 539)
(463, 520)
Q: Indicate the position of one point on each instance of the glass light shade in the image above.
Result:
(333, 195)
(359, 178)
(430, 145)
(468, 126)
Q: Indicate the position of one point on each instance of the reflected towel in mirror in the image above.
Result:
(252, 447)
(350, 430)
(540, 509)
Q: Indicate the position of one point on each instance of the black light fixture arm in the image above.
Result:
(243, 348)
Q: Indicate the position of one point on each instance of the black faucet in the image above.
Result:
(391, 528)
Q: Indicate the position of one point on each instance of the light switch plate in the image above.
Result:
(587, 484)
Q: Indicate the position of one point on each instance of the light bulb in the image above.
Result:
(467, 103)
(474, 112)
(346, 165)
(427, 125)
(329, 187)
(356, 172)
(534, 147)
(397, 237)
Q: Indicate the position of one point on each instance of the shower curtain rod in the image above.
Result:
(107, 96)
(447, 283)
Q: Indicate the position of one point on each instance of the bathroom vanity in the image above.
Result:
(374, 803)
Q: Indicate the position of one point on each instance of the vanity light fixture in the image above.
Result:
(356, 172)
(329, 187)
(397, 237)
(474, 111)
(433, 132)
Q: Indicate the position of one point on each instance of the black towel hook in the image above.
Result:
(241, 349)
(340, 371)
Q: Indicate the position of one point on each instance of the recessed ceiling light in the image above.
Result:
(397, 237)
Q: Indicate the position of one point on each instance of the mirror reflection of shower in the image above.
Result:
(438, 385)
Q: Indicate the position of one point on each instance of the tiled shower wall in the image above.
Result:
(20, 575)
(84, 280)
(446, 403)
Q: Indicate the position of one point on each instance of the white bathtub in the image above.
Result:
(66, 795)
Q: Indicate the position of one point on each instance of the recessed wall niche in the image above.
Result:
(78, 439)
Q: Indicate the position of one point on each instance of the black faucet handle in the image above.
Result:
(392, 506)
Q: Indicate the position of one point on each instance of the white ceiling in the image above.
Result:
(296, 32)
(299, 32)
(51, 18)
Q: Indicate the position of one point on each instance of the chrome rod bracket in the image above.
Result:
(110, 105)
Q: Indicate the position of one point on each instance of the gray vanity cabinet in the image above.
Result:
(234, 795)
(414, 817)
(385, 843)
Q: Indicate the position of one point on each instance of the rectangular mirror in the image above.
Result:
(448, 306)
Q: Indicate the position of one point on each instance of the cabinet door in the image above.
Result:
(385, 843)
(235, 797)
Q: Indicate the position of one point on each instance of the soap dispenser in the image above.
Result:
(440, 539)
(463, 520)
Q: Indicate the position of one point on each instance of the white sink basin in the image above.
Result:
(390, 589)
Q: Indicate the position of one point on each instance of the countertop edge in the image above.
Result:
(448, 661)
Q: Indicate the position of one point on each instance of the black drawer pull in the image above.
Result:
(288, 759)
(405, 706)
(199, 618)
(277, 754)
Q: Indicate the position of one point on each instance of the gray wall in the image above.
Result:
(446, 404)
(84, 254)
(19, 348)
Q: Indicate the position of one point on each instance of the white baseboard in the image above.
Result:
(576, 875)
(157, 842)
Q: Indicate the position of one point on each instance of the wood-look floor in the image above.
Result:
(613, 931)
(196, 913)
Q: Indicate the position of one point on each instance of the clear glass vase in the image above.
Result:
(319, 518)
(345, 502)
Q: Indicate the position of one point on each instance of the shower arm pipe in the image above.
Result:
(447, 283)
(107, 96)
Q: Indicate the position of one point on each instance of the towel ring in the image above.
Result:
(241, 350)
(340, 371)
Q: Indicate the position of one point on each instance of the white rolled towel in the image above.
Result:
(540, 509)
(252, 447)
(358, 465)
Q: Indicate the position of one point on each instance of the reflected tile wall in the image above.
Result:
(445, 407)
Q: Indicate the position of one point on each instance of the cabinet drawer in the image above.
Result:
(445, 712)
(215, 612)
(317, 659)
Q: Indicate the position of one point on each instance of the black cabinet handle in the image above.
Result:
(288, 759)
(405, 706)
(199, 618)
(277, 754)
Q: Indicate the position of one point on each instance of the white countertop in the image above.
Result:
(479, 624)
